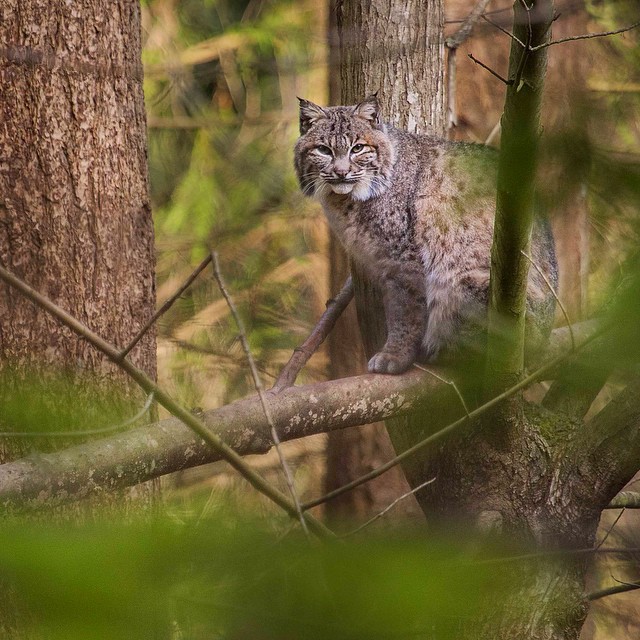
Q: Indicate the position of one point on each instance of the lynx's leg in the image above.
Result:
(456, 313)
(405, 313)
(442, 327)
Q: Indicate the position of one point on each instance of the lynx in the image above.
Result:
(416, 214)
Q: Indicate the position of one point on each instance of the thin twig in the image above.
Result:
(259, 387)
(610, 529)
(449, 382)
(86, 432)
(191, 421)
(165, 307)
(505, 31)
(388, 508)
(303, 353)
(555, 295)
(629, 584)
(586, 36)
(445, 431)
(491, 71)
(525, 54)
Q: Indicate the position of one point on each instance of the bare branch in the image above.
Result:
(191, 421)
(145, 453)
(259, 388)
(323, 328)
(612, 591)
(151, 451)
(586, 36)
(625, 500)
(491, 71)
(609, 445)
(611, 528)
(445, 431)
(501, 28)
(165, 307)
(387, 508)
(454, 41)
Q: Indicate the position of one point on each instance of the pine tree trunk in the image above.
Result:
(75, 220)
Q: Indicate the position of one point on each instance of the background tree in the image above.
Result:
(353, 452)
(75, 222)
(75, 218)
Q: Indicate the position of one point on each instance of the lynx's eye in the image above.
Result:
(357, 148)
(325, 151)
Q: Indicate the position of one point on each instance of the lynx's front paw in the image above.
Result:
(385, 362)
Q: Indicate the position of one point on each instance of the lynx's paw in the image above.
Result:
(385, 362)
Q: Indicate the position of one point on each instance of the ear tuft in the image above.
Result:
(369, 110)
(310, 113)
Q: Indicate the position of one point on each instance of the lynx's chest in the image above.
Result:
(371, 232)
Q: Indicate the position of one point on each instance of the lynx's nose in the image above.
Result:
(341, 167)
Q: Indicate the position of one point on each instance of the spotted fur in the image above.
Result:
(416, 213)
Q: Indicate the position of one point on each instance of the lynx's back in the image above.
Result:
(416, 213)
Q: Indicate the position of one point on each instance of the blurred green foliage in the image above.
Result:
(230, 578)
(221, 84)
(52, 409)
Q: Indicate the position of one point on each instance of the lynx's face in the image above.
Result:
(343, 150)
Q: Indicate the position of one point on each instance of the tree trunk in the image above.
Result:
(480, 98)
(353, 452)
(75, 220)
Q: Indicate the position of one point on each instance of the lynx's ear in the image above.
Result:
(369, 110)
(309, 114)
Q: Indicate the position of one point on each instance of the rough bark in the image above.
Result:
(154, 450)
(75, 220)
(149, 452)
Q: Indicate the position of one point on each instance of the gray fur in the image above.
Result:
(416, 214)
